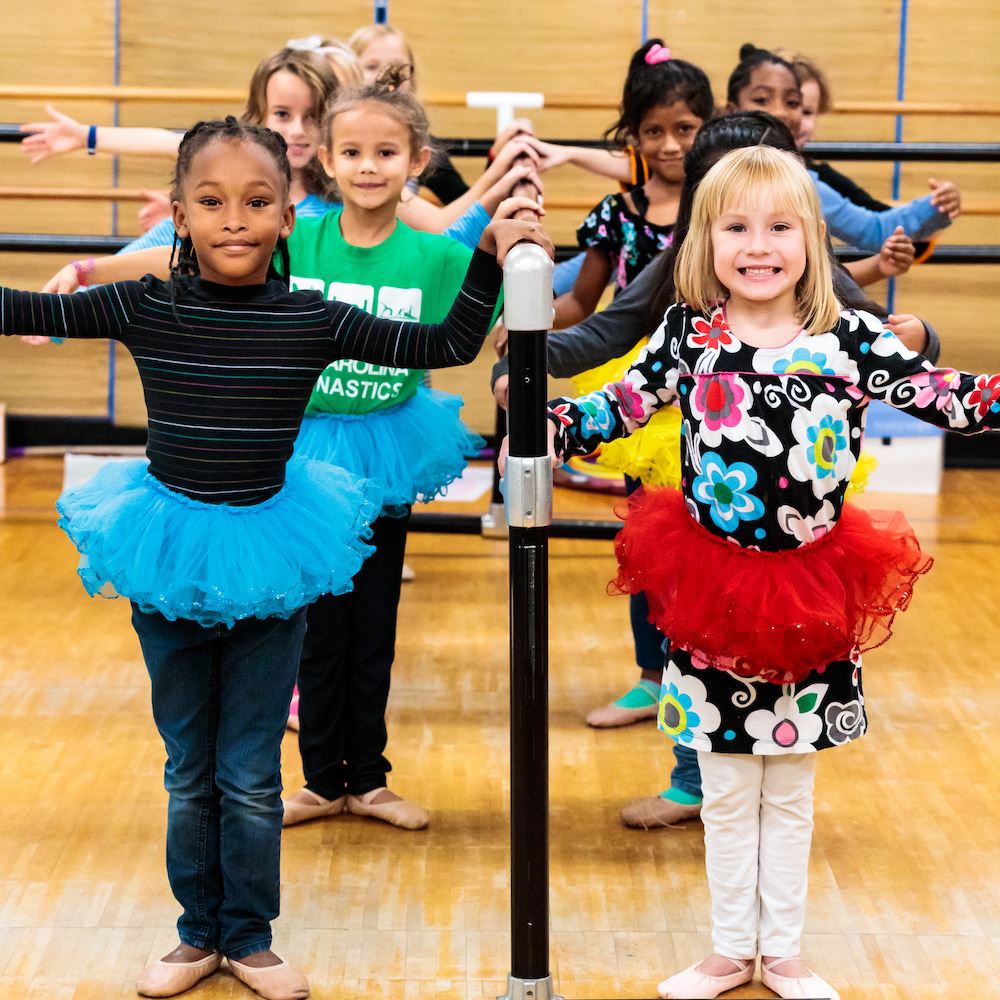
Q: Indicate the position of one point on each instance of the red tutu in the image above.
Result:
(772, 615)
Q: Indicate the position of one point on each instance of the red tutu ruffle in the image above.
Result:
(772, 615)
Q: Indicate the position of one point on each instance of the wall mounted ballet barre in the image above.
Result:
(557, 102)
(70, 244)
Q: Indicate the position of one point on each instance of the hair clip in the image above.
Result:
(309, 44)
(657, 54)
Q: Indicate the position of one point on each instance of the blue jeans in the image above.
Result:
(686, 775)
(220, 702)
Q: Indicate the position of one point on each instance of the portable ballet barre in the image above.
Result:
(528, 314)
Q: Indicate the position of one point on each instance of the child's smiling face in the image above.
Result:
(759, 252)
(666, 133)
(234, 205)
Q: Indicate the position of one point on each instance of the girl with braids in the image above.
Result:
(768, 586)
(221, 542)
(627, 321)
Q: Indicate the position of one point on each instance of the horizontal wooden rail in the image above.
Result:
(557, 102)
(136, 194)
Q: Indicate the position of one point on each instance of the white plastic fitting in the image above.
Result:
(527, 288)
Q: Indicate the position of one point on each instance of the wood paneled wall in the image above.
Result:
(578, 49)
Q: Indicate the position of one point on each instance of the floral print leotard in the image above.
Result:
(769, 439)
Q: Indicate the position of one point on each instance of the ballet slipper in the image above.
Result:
(694, 985)
(293, 711)
(167, 979)
(398, 812)
(273, 982)
(615, 715)
(798, 987)
(655, 812)
(305, 805)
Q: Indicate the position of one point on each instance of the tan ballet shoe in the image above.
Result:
(796, 987)
(396, 811)
(615, 715)
(273, 982)
(655, 812)
(694, 985)
(305, 805)
(167, 979)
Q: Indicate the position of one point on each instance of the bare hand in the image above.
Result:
(549, 154)
(500, 338)
(910, 330)
(158, 206)
(897, 253)
(504, 452)
(945, 197)
(63, 281)
(504, 232)
(501, 391)
(513, 151)
(516, 128)
(62, 135)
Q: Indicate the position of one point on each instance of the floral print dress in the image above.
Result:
(629, 240)
(770, 437)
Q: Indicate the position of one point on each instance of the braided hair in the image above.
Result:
(183, 257)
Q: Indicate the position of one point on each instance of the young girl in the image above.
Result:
(664, 103)
(764, 81)
(766, 584)
(381, 424)
(218, 545)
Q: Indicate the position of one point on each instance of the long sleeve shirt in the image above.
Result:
(227, 371)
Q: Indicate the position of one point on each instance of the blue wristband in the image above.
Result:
(92, 140)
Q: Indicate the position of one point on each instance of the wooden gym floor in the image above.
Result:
(905, 900)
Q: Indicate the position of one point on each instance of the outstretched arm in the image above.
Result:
(891, 372)
(65, 135)
(624, 406)
(94, 313)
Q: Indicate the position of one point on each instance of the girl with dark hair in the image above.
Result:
(221, 542)
(764, 81)
(664, 103)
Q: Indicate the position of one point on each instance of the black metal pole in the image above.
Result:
(529, 691)
(528, 315)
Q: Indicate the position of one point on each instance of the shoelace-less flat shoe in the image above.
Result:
(654, 812)
(306, 805)
(694, 985)
(798, 987)
(273, 982)
(167, 979)
(398, 812)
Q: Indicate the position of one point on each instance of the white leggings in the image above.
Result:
(758, 816)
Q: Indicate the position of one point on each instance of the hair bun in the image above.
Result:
(393, 76)
(747, 49)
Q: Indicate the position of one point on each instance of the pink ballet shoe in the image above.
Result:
(809, 987)
(396, 811)
(305, 805)
(167, 979)
(694, 985)
(273, 982)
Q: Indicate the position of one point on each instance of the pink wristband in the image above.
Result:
(84, 269)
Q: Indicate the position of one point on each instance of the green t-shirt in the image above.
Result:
(409, 276)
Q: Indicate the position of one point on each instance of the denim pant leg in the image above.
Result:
(182, 660)
(686, 775)
(257, 673)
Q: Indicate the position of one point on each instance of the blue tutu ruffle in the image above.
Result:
(414, 450)
(213, 563)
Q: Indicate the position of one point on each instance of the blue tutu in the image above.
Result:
(213, 563)
(414, 450)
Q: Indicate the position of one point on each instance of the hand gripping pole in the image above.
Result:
(528, 316)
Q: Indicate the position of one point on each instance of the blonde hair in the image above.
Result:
(805, 69)
(363, 37)
(753, 176)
